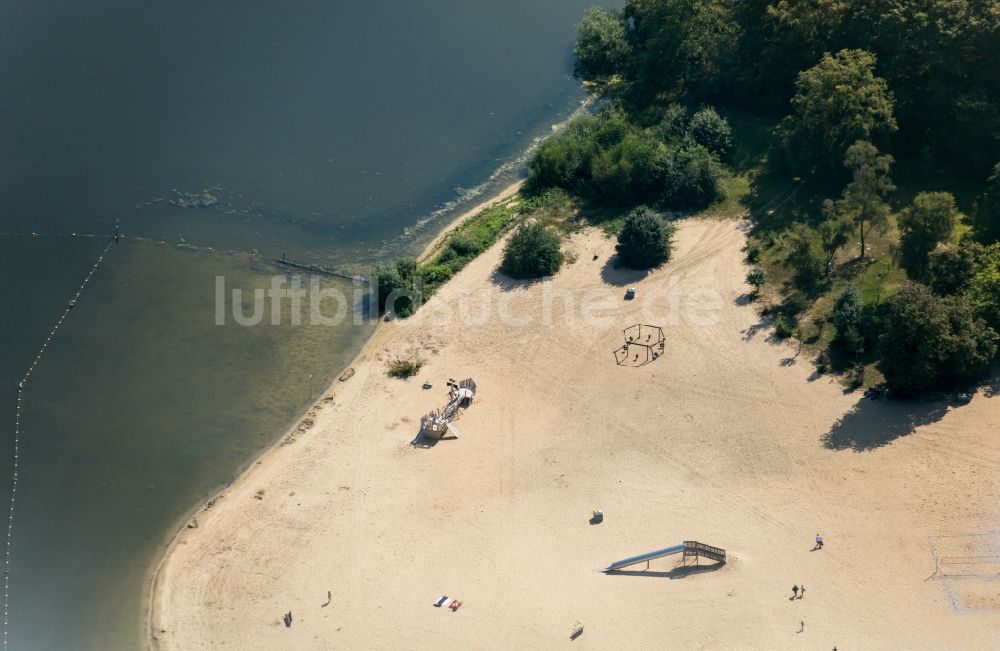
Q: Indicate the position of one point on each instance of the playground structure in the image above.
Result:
(643, 344)
(436, 424)
(689, 548)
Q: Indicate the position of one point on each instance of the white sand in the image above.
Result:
(720, 441)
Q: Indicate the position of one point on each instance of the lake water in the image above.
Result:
(337, 133)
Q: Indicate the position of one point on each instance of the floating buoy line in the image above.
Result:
(17, 438)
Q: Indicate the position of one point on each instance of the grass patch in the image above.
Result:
(404, 368)
(481, 231)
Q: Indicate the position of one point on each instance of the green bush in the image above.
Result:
(646, 239)
(756, 279)
(846, 320)
(932, 343)
(398, 277)
(951, 268)
(616, 162)
(404, 368)
(784, 327)
(463, 245)
(533, 251)
(922, 226)
(805, 257)
(711, 130)
(602, 46)
(693, 177)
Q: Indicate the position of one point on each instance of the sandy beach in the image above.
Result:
(728, 439)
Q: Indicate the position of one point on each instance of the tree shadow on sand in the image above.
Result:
(614, 274)
(507, 283)
(874, 423)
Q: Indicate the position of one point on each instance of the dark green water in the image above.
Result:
(325, 130)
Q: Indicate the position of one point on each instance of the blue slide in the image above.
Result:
(641, 558)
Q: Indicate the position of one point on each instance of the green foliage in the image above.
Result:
(864, 197)
(612, 160)
(693, 177)
(533, 251)
(951, 268)
(931, 342)
(709, 129)
(804, 257)
(646, 240)
(924, 225)
(395, 282)
(628, 171)
(784, 327)
(462, 244)
(837, 102)
(404, 368)
(756, 279)
(984, 287)
(834, 233)
(987, 221)
(846, 318)
(939, 57)
(602, 48)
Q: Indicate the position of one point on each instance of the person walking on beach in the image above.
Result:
(819, 542)
(802, 592)
(795, 591)
(802, 626)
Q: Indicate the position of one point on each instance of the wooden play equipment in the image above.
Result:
(689, 548)
(436, 424)
(643, 344)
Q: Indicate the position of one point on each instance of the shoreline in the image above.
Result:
(726, 439)
(171, 540)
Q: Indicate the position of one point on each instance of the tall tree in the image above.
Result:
(837, 102)
(834, 232)
(602, 49)
(930, 342)
(924, 225)
(864, 197)
(988, 209)
(804, 257)
(646, 239)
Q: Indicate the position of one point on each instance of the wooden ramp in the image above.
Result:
(701, 550)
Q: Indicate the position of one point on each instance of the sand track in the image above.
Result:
(723, 440)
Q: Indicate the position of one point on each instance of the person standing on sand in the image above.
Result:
(802, 592)
(819, 541)
(795, 591)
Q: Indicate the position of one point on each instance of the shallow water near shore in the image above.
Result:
(335, 134)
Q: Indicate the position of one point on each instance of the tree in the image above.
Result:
(646, 239)
(984, 287)
(864, 197)
(630, 172)
(988, 209)
(756, 279)
(924, 225)
(846, 319)
(834, 232)
(837, 102)
(533, 251)
(931, 342)
(951, 268)
(396, 281)
(710, 129)
(804, 257)
(602, 48)
(693, 177)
